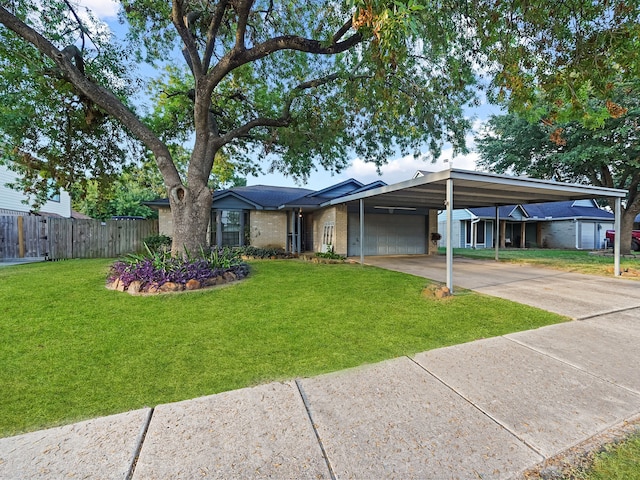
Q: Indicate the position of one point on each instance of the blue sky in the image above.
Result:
(396, 170)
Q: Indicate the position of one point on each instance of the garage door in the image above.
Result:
(388, 234)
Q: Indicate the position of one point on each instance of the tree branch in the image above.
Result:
(344, 29)
(284, 119)
(212, 32)
(242, 10)
(300, 44)
(99, 95)
(191, 54)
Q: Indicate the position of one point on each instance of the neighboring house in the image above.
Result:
(12, 201)
(299, 220)
(578, 224)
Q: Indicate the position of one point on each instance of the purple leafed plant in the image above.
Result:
(159, 267)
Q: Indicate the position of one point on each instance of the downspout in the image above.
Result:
(219, 228)
(575, 220)
(293, 231)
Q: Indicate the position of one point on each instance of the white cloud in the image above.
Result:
(103, 9)
(401, 169)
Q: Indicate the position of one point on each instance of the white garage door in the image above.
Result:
(388, 234)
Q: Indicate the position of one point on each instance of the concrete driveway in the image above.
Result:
(575, 295)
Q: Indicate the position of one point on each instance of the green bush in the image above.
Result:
(158, 242)
(330, 256)
(256, 252)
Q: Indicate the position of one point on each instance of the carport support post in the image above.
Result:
(616, 239)
(362, 231)
(449, 205)
(299, 235)
(496, 235)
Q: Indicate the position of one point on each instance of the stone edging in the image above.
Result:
(138, 288)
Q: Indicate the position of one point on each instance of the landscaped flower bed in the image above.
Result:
(158, 272)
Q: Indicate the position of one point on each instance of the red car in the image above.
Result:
(635, 238)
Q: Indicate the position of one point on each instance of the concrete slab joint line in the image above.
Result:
(305, 400)
(478, 408)
(139, 441)
(620, 310)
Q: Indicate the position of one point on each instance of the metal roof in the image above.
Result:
(475, 189)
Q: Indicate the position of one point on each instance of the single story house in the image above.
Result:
(299, 220)
(579, 224)
(378, 219)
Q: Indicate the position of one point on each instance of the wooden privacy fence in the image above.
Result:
(23, 237)
(60, 238)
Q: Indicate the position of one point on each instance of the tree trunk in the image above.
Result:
(626, 226)
(191, 212)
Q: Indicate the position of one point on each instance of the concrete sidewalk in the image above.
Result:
(8, 262)
(486, 409)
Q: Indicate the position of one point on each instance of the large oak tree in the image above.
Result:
(296, 84)
(305, 84)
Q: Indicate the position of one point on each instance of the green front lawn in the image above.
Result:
(72, 349)
(581, 261)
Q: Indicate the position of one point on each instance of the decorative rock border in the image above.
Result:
(137, 287)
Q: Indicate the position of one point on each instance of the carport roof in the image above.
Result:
(475, 189)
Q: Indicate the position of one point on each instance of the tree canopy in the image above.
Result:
(562, 55)
(608, 156)
(294, 86)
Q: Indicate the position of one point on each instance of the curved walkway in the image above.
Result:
(486, 409)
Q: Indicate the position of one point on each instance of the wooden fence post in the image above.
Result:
(21, 237)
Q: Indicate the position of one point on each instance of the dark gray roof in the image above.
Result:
(265, 195)
(490, 212)
(315, 199)
(555, 210)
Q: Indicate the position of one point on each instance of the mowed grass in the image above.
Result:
(581, 261)
(617, 462)
(72, 349)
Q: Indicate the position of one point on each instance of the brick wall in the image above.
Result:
(268, 229)
(560, 234)
(342, 230)
(339, 217)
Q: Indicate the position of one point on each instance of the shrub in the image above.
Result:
(257, 252)
(158, 242)
(159, 267)
(330, 255)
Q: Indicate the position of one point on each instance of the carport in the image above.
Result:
(454, 188)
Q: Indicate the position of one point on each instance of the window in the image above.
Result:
(231, 227)
(327, 233)
(480, 228)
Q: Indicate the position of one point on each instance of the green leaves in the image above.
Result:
(568, 53)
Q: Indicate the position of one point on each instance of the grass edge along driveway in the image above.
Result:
(72, 349)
